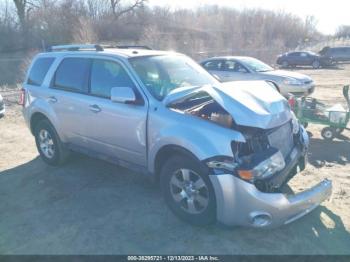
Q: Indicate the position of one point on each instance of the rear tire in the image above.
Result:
(316, 64)
(285, 64)
(187, 190)
(49, 145)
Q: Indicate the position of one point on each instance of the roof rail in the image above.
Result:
(75, 47)
(134, 47)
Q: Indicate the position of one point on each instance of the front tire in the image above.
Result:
(49, 144)
(187, 190)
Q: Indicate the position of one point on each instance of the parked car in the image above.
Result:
(233, 68)
(338, 54)
(219, 151)
(304, 58)
(2, 107)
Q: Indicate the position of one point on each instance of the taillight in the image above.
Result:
(22, 97)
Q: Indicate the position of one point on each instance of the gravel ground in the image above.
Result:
(92, 207)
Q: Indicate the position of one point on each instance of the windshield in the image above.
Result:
(165, 73)
(256, 65)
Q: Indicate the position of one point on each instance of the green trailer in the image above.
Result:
(335, 118)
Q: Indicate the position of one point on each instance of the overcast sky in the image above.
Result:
(329, 13)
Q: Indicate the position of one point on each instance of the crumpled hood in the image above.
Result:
(288, 74)
(250, 103)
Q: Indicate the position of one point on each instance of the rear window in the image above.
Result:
(39, 70)
(72, 75)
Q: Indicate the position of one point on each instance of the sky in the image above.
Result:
(329, 14)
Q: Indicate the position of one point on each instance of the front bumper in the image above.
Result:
(242, 203)
(303, 90)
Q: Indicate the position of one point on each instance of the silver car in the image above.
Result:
(234, 68)
(220, 152)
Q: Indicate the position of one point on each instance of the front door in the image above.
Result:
(115, 130)
(234, 71)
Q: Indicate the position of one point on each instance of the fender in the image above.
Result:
(42, 106)
(215, 141)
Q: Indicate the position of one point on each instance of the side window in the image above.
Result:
(105, 75)
(303, 54)
(234, 66)
(39, 70)
(213, 65)
(72, 75)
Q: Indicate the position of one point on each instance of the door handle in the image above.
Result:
(52, 99)
(95, 108)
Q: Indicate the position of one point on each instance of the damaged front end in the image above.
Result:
(274, 150)
(252, 185)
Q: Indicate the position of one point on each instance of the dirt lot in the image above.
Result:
(92, 207)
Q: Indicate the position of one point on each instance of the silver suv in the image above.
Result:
(220, 152)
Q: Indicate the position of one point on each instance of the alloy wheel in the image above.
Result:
(46, 144)
(189, 191)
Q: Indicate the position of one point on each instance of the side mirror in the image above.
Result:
(123, 94)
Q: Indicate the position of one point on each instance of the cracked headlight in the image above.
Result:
(262, 165)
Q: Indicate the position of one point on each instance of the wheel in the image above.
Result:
(328, 133)
(48, 144)
(285, 64)
(187, 190)
(316, 64)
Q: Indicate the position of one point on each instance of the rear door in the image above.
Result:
(115, 130)
(68, 94)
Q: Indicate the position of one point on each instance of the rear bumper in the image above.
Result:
(241, 203)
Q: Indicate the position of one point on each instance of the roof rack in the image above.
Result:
(75, 47)
(134, 47)
(94, 47)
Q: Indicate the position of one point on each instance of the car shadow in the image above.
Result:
(89, 206)
(323, 151)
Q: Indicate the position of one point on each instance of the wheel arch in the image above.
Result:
(35, 119)
(275, 85)
(166, 152)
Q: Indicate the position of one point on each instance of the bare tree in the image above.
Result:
(118, 9)
(23, 7)
(343, 31)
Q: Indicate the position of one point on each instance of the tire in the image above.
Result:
(316, 64)
(176, 176)
(328, 133)
(49, 145)
(285, 64)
